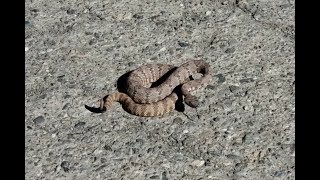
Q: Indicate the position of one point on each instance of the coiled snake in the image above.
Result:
(142, 100)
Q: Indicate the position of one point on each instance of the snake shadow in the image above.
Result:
(122, 87)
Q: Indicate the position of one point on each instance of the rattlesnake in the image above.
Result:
(142, 100)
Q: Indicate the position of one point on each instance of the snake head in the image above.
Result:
(191, 101)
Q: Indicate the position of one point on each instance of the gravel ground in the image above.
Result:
(244, 127)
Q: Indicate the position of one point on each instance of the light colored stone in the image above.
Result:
(198, 163)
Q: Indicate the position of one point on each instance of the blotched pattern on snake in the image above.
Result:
(141, 100)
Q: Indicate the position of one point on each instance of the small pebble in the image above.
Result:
(230, 50)
(26, 49)
(60, 78)
(65, 166)
(198, 163)
(163, 49)
(221, 78)
(97, 151)
(38, 120)
(177, 120)
(130, 63)
(278, 173)
(79, 124)
(108, 148)
(183, 44)
(233, 88)
(154, 177)
(211, 87)
(43, 96)
(208, 13)
(137, 16)
(224, 3)
(71, 11)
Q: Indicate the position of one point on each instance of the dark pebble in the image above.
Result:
(34, 10)
(140, 141)
(60, 78)
(278, 173)
(88, 33)
(38, 120)
(79, 124)
(67, 96)
(233, 88)
(65, 166)
(154, 58)
(71, 11)
(215, 119)
(137, 16)
(154, 177)
(183, 44)
(211, 87)
(230, 50)
(221, 78)
(108, 148)
(92, 41)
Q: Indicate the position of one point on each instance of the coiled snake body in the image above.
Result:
(142, 100)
